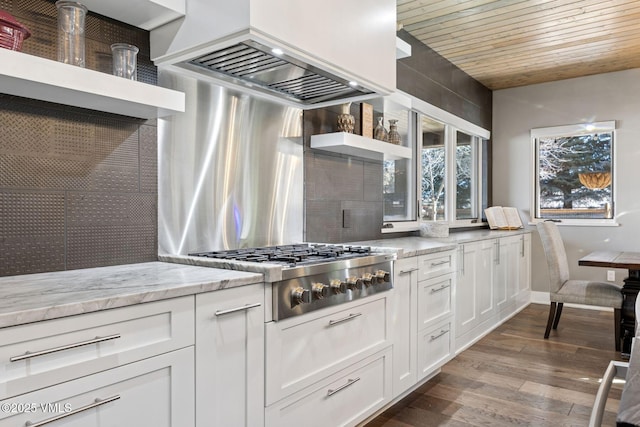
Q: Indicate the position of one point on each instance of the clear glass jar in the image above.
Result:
(124, 60)
(71, 17)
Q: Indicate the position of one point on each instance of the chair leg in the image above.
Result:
(558, 313)
(617, 318)
(552, 314)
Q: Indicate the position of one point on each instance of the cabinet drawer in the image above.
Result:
(434, 299)
(153, 392)
(40, 354)
(345, 399)
(302, 352)
(434, 348)
(434, 265)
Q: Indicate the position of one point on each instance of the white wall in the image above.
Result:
(611, 96)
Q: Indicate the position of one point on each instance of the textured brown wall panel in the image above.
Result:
(78, 188)
(430, 77)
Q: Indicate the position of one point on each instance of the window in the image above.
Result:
(574, 172)
(433, 167)
(398, 175)
(446, 179)
(453, 183)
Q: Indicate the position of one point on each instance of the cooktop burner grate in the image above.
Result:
(290, 255)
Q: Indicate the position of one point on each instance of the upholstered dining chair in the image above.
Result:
(562, 289)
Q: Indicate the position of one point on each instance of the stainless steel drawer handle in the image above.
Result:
(435, 264)
(408, 271)
(96, 340)
(95, 404)
(435, 337)
(233, 310)
(344, 319)
(441, 288)
(343, 386)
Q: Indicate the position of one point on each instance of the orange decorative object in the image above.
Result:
(595, 180)
(12, 33)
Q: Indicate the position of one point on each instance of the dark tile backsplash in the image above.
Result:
(337, 185)
(78, 188)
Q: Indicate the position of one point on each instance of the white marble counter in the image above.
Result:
(406, 247)
(42, 296)
(271, 272)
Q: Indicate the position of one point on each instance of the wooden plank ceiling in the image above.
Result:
(509, 43)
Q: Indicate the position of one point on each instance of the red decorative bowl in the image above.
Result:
(12, 33)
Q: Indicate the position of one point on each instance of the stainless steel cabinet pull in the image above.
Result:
(344, 319)
(408, 271)
(233, 310)
(522, 252)
(95, 404)
(435, 337)
(441, 288)
(96, 340)
(342, 387)
(462, 259)
(435, 264)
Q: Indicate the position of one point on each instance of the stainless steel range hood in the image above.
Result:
(255, 66)
(285, 50)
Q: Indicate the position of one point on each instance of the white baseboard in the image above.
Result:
(543, 298)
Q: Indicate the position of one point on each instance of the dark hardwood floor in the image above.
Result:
(515, 377)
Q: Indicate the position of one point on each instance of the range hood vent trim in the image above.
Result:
(253, 65)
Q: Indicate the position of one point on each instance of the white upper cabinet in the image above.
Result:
(147, 14)
(40, 78)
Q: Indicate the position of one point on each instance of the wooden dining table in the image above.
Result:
(630, 289)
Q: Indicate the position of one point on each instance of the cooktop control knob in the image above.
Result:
(383, 276)
(369, 279)
(320, 290)
(338, 286)
(300, 296)
(354, 283)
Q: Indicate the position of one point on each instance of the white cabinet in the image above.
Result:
(30, 76)
(422, 316)
(343, 399)
(524, 270)
(435, 299)
(493, 283)
(484, 270)
(436, 289)
(404, 324)
(230, 357)
(304, 350)
(157, 392)
(125, 366)
(40, 354)
(435, 346)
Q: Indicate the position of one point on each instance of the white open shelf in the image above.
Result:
(39, 78)
(146, 14)
(359, 146)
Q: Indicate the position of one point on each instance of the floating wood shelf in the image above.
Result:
(40, 78)
(359, 146)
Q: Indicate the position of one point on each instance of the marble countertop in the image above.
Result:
(35, 297)
(270, 272)
(406, 247)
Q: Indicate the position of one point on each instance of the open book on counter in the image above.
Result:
(503, 218)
